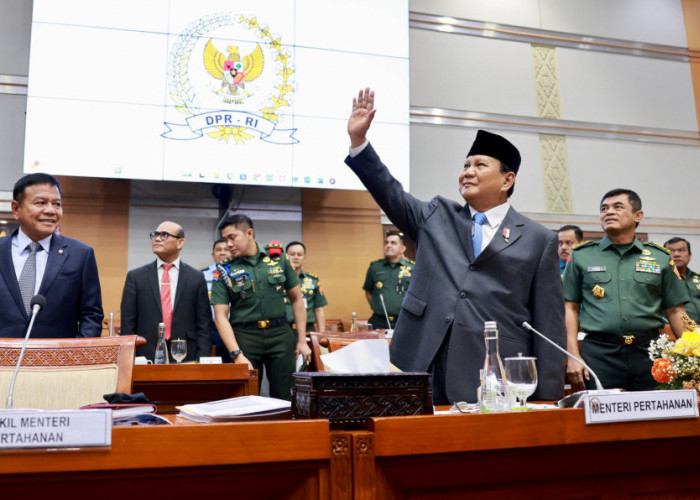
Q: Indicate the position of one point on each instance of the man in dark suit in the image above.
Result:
(35, 260)
(469, 269)
(167, 291)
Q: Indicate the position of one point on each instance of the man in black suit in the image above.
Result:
(475, 262)
(34, 259)
(167, 291)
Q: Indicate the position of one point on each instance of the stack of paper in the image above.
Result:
(235, 409)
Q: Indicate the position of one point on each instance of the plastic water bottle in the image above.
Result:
(494, 389)
(353, 323)
(161, 357)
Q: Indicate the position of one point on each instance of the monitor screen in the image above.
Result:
(241, 92)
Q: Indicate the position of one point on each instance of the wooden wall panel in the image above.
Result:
(96, 212)
(691, 14)
(343, 233)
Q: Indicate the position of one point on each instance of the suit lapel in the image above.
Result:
(7, 271)
(181, 285)
(58, 255)
(467, 240)
(154, 285)
(507, 233)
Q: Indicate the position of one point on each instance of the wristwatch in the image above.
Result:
(234, 354)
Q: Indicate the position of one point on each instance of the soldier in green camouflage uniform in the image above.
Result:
(388, 278)
(618, 289)
(680, 253)
(314, 298)
(251, 288)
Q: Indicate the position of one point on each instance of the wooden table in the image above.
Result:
(175, 385)
(542, 454)
(255, 460)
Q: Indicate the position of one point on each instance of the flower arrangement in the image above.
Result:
(677, 363)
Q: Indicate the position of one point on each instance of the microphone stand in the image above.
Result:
(36, 307)
(381, 297)
(573, 399)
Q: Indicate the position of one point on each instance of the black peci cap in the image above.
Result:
(495, 146)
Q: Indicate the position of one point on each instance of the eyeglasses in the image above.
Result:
(162, 234)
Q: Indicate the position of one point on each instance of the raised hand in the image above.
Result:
(361, 117)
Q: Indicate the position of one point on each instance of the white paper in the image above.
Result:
(362, 356)
(244, 405)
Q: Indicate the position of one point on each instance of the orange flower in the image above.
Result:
(663, 371)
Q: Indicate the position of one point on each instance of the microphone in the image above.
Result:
(381, 297)
(37, 304)
(572, 399)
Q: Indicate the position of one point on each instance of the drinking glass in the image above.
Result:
(178, 349)
(521, 374)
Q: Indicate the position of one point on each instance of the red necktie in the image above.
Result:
(165, 301)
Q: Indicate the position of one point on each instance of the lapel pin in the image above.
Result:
(60, 251)
(506, 234)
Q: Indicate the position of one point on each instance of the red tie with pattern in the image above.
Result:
(165, 301)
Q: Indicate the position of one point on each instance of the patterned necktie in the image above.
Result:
(27, 279)
(479, 219)
(165, 301)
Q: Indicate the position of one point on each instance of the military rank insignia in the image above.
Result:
(598, 292)
(648, 266)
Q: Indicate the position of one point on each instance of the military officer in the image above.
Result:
(617, 288)
(248, 298)
(314, 298)
(219, 252)
(680, 253)
(388, 278)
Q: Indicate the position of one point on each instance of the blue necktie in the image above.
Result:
(479, 219)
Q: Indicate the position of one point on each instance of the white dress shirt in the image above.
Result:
(494, 217)
(20, 254)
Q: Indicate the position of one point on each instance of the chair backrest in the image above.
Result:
(66, 373)
(325, 342)
(334, 325)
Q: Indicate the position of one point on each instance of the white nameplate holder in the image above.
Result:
(210, 360)
(20, 429)
(640, 405)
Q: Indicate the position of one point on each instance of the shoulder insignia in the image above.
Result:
(585, 244)
(657, 246)
(311, 274)
(378, 260)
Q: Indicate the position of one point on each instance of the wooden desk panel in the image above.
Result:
(543, 454)
(175, 385)
(284, 459)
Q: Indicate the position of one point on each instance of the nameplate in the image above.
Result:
(640, 405)
(210, 360)
(55, 428)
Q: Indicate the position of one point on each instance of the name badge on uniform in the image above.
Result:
(593, 269)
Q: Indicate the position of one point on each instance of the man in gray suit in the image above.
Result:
(475, 262)
(169, 291)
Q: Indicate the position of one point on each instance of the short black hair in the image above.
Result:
(31, 179)
(292, 243)
(678, 239)
(504, 170)
(236, 220)
(220, 240)
(633, 197)
(396, 233)
(570, 227)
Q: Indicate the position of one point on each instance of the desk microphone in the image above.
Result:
(37, 303)
(381, 297)
(574, 398)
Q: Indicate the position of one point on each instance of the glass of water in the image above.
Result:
(178, 349)
(521, 374)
